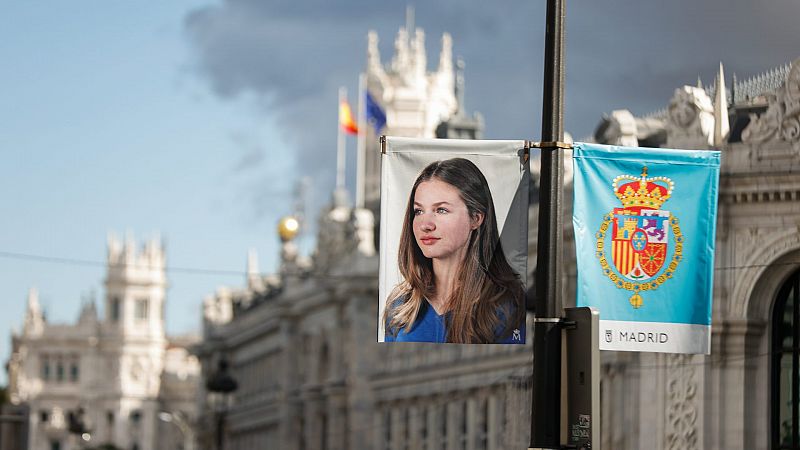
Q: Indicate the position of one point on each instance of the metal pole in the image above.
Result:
(546, 407)
(340, 143)
(220, 429)
(361, 153)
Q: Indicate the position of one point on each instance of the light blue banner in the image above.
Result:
(645, 224)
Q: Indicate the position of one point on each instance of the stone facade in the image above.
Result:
(302, 344)
(416, 102)
(303, 348)
(115, 374)
(721, 400)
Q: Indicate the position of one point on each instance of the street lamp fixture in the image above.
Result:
(223, 385)
(76, 424)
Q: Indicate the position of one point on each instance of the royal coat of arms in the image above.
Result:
(640, 241)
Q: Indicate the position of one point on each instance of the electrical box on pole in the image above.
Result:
(582, 328)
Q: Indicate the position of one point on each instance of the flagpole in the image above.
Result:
(362, 141)
(340, 143)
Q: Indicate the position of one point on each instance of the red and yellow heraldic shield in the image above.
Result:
(640, 229)
(639, 242)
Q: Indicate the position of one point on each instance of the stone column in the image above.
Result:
(313, 433)
(337, 418)
(738, 381)
(359, 346)
(288, 403)
(416, 419)
(397, 427)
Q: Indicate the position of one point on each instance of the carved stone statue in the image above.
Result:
(690, 119)
(776, 132)
(618, 128)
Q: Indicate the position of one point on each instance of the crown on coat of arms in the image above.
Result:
(643, 191)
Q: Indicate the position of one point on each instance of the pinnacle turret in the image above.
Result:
(34, 316)
(721, 121)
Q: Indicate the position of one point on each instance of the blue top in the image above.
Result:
(430, 327)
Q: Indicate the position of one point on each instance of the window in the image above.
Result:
(422, 422)
(136, 416)
(109, 425)
(59, 370)
(115, 305)
(140, 309)
(44, 416)
(45, 362)
(55, 445)
(74, 371)
(786, 366)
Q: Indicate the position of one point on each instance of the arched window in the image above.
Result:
(785, 421)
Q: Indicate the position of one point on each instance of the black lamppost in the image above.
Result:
(76, 424)
(222, 385)
(546, 410)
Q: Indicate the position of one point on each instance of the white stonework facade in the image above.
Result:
(415, 101)
(311, 375)
(302, 345)
(724, 400)
(119, 371)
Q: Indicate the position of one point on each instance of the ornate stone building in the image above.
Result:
(417, 103)
(744, 394)
(311, 376)
(105, 380)
(302, 344)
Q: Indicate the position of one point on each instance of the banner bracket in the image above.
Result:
(551, 144)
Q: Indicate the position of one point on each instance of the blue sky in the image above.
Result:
(195, 118)
(105, 127)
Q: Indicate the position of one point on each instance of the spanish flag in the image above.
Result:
(346, 118)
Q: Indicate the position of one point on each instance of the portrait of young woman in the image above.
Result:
(456, 285)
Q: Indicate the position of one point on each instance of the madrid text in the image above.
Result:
(643, 337)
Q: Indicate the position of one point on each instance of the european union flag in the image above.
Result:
(375, 114)
(645, 222)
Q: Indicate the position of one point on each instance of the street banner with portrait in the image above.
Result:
(453, 241)
(645, 221)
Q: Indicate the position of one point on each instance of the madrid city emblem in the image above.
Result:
(640, 242)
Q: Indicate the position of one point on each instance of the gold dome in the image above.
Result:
(288, 228)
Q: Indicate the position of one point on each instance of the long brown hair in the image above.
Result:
(487, 295)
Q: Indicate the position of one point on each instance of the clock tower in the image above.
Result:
(134, 322)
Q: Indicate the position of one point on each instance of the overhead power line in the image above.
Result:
(213, 271)
(90, 263)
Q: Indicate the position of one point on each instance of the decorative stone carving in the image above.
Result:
(34, 316)
(618, 128)
(690, 119)
(337, 237)
(364, 223)
(373, 54)
(681, 430)
(776, 132)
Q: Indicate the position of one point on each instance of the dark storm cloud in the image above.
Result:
(625, 54)
(620, 54)
(253, 152)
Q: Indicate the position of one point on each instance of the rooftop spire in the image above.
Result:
(254, 281)
(446, 55)
(721, 124)
(409, 20)
(34, 318)
(460, 86)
